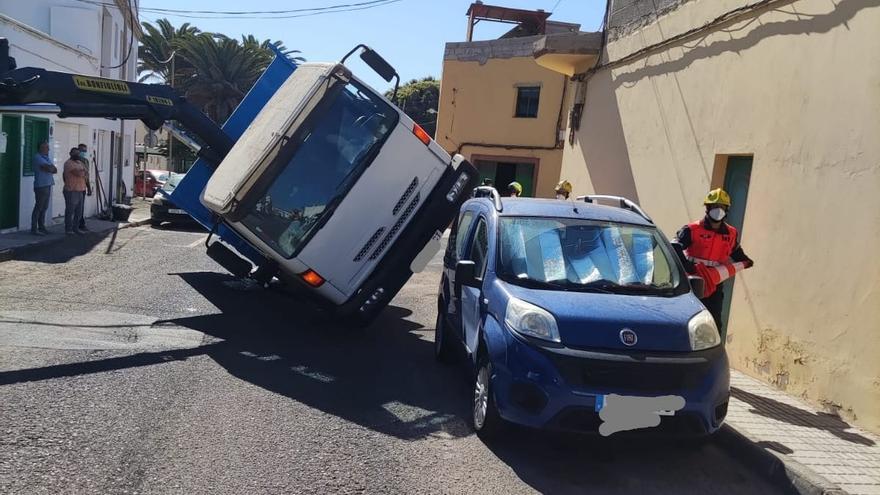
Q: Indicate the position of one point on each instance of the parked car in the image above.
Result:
(578, 316)
(147, 182)
(163, 209)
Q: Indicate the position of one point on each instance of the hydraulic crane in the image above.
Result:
(87, 96)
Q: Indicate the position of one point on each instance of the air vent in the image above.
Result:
(406, 195)
(397, 226)
(368, 245)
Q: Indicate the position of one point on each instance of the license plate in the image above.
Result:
(621, 412)
(177, 211)
(601, 399)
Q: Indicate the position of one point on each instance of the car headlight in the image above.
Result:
(530, 320)
(703, 331)
(158, 198)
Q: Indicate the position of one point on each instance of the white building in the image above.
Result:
(90, 38)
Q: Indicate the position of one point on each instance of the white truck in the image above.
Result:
(316, 178)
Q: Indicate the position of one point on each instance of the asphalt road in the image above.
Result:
(131, 363)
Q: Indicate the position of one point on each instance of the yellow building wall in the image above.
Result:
(477, 105)
(801, 93)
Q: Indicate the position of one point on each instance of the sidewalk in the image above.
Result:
(817, 452)
(15, 242)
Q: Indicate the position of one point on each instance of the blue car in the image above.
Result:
(580, 317)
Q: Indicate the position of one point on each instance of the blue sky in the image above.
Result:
(410, 34)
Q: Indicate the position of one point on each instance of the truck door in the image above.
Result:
(470, 296)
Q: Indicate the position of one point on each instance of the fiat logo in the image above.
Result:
(628, 337)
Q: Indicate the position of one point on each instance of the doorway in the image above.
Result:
(737, 175)
(10, 171)
(504, 171)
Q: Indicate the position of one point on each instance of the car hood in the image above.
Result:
(595, 320)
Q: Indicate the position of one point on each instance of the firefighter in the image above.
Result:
(514, 189)
(563, 189)
(710, 248)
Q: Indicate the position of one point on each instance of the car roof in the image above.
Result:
(555, 208)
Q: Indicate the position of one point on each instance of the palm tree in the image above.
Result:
(223, 71)
(156, 47)
(213, 71)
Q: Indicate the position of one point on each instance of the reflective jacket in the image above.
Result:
(701, 247)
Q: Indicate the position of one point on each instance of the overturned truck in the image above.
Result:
(316, 179)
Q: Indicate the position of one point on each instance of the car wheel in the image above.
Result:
(443, 350)
(484, 416)
(155, 223)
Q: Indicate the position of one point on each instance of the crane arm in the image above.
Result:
(79, 95)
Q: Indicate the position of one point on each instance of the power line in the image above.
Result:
(248, 12)
(257, 14)
(133, 22)
(555, 5)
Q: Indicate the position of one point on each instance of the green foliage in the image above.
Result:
(419, 98)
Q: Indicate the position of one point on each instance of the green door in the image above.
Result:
(10, 171)
(36, 131)
(736, 183)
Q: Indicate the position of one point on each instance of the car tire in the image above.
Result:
(484, 412)
(443, 350)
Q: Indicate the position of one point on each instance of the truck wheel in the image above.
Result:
(443, 350)
(484, 417)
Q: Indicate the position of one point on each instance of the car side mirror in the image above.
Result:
(466, 274)
(698, 285)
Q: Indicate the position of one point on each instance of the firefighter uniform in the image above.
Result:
(701, 244)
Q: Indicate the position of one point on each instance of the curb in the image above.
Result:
(8, 254)
(779, 468)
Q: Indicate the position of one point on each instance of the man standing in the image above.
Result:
(74, 192)
(44, 169)
(84, 158)
(707, 248)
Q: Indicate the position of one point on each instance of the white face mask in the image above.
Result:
(560, 196)
(717, 214)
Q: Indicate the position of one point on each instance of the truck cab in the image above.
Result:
(339, 188)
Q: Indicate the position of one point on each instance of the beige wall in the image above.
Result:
(477, 104)
(801, 93)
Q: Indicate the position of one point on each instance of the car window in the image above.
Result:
(464, 225)
(480, 248)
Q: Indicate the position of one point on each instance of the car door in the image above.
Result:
(458, 241)
(478, 252)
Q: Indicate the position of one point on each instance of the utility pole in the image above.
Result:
(172, 168)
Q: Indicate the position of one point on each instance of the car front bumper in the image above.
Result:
(168, 212)
(558, 388)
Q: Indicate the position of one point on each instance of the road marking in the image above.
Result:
(195, 243)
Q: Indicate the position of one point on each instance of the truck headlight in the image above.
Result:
(703, 331)
(528, 319)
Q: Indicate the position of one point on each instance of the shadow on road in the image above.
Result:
(381, 378)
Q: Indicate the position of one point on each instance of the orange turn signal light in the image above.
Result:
(312, 278)
(421, 134)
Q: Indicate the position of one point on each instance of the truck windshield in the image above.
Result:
(574, 254)
(339, 143)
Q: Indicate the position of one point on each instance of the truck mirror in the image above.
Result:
(466, 274)
(378, 64)
(698, 285)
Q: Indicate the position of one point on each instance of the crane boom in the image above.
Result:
(79, 95)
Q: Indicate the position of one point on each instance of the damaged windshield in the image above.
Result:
(575, 254)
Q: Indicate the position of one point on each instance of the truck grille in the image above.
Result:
(406, 194)
(364, 250)
(397, 226)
